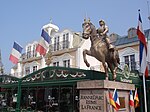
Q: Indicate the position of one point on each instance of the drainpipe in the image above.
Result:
(18, 96)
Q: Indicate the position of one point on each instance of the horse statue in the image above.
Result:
(99, 49)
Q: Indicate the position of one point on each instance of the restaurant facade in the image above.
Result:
(54, 89)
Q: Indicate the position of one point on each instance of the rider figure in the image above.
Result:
(102, 31)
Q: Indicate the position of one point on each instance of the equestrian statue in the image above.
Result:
(100, 48)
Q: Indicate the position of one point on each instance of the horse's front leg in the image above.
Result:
(86, 52)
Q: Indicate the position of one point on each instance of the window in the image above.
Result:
(34, 68)
(28, 52)
(56, 43)
(122, 102)
(27, 70)
(66, 63)
(56, 64)
(133, 64)
(126, 58)
(66, 41)
(34, 50)
(130, 61)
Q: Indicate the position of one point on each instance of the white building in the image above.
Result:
(67, 48)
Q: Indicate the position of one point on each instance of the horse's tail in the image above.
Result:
(118, 60)
(117, 56)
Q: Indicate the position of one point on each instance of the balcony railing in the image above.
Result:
(60, 45)
(29, 54)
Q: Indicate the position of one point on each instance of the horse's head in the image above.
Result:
(86, 29)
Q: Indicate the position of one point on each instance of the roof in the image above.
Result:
(125, 40)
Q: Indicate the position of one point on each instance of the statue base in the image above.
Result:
(94, 95)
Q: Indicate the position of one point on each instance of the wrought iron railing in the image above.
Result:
(54, 47)
(29, 54)
(60, 45)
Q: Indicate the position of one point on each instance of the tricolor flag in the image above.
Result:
(43, 45)
(116, 99)
(142, 48)
(16, 53)
(136, 99)
(111, 100)
(131, 101)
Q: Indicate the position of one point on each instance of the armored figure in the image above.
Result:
(102, 32)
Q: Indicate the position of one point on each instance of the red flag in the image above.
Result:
(131, 101)
(16, 53)
(116, 99)
(43, 45)
(142, 48)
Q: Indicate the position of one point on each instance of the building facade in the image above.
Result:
(66, 47)
(128, 47)
(40, 83)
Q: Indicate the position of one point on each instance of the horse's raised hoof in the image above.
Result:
(87, 64)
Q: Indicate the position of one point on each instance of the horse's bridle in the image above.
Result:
(87, 29)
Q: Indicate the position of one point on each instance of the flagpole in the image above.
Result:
(144, 86)
(144, 92)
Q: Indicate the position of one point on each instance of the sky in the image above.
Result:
(22, 20)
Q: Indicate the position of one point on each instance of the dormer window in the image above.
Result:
(28, 52)
(34, 50)
(56, 43)
(65, 40)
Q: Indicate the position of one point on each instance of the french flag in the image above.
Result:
(116, 99)
(16, 53)
(142, 48)
(131, 101)
(43, 45)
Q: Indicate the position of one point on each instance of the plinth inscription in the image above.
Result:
(91, 101)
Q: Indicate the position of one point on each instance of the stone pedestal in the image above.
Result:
(94, 95)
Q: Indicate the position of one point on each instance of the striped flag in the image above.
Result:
(43, 45)
(16, 53)
(131, 101)
(111, 100)
(136, 99)
(116, 99)
(142, 48)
